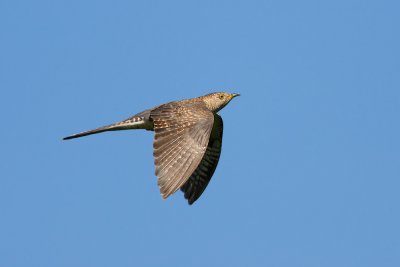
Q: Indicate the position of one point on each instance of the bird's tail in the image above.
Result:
(94, 131)
(135, 122)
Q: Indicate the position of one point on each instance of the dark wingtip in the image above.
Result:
(192, 199)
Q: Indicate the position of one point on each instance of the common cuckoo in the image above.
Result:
(187, 143)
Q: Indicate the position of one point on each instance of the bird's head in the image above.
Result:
(216, 101)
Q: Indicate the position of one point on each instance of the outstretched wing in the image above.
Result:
(198, 181)
(182, 133)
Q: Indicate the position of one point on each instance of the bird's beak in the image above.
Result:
(235, 95)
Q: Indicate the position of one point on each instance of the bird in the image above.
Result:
(187, 141)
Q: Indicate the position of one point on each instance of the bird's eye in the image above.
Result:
(221, 97)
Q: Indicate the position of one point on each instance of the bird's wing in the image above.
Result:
(198, 181)
(182, 132)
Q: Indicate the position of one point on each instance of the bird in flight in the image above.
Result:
(187, 142)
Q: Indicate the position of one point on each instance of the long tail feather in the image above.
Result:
(94, 131)
(135, 122)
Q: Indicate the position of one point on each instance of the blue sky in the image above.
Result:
(310, 168)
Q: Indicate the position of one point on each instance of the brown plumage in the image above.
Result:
(187, 142)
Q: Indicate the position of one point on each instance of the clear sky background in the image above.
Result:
(310, 168)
